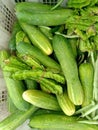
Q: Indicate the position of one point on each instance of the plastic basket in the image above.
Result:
(7, 18)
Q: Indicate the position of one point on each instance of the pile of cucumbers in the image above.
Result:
(50, 67)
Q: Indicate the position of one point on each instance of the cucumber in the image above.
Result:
(66, 105)
(45, 18)
(35, 52)
(15, 88)
(31, 6)
(86, 73)
(16, 119)
(69, 67)
(57, 121)
(37, 38)
(41, 99)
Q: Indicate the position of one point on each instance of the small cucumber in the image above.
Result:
(41, 99)
(37, 38)
(15, 88)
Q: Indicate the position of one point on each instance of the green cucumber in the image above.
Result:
(31, 84)
(65, 103)
(86, 73)
(15, 88)
(16, 119)
(31, 6)
(41, 99)
(69, 67)
(45, 18)
(12, 41)
(57, 121)
(37, 38)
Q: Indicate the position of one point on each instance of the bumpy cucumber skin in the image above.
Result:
(69, 67)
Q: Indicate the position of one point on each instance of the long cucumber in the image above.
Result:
(45, 18)
(57, 121)
(15, 88)
(31, 6)
(69, 67)
(16, 119)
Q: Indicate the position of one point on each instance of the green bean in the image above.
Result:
(44, 88)
(38, 73)
(75, 1)
(52, 86)
(57, 5)
(31, 84)
(12, 68)
(89, 111)
(81, 110)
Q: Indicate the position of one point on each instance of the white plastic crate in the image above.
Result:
(7, 18)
